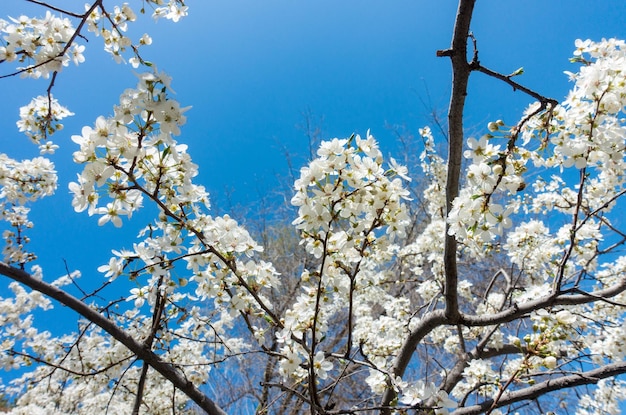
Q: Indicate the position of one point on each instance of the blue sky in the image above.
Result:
(250, 68)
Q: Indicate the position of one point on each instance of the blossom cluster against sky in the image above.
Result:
(249, 70)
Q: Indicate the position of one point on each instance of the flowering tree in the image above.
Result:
(506, 293)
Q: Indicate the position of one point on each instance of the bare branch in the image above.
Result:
(476, 66)
(56, 9)
(460, 76)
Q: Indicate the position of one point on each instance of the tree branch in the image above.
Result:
(460, 75)
(476, 66)
(590, 377)
(519, 310)
(157, 315)
(56, 9)
(425, 326)
(167, 370)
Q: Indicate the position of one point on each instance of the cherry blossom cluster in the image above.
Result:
(40, 119)
(494, 175)
(478, 376)
(607, 342)
(350, 210)
(604, 399)
(173, 10)
(112, 26)
(22, 182)
(531, 247)
(43, 46)
(348, 192)
(39, 46)
(587, 131)
(584, 134)
(422, 394)
(424, 255)
(133, 154)
(26, 181)
(17, 323)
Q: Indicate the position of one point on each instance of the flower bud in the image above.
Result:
(549, 362)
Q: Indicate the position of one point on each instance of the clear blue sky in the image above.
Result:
(250, 69)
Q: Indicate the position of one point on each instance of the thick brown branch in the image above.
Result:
(519, 310)
(532, 392)
(460, 76)
(167, 370)
(157, 315)
(479, 352)
(425, 326)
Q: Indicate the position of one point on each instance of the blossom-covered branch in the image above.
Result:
(168, 371)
